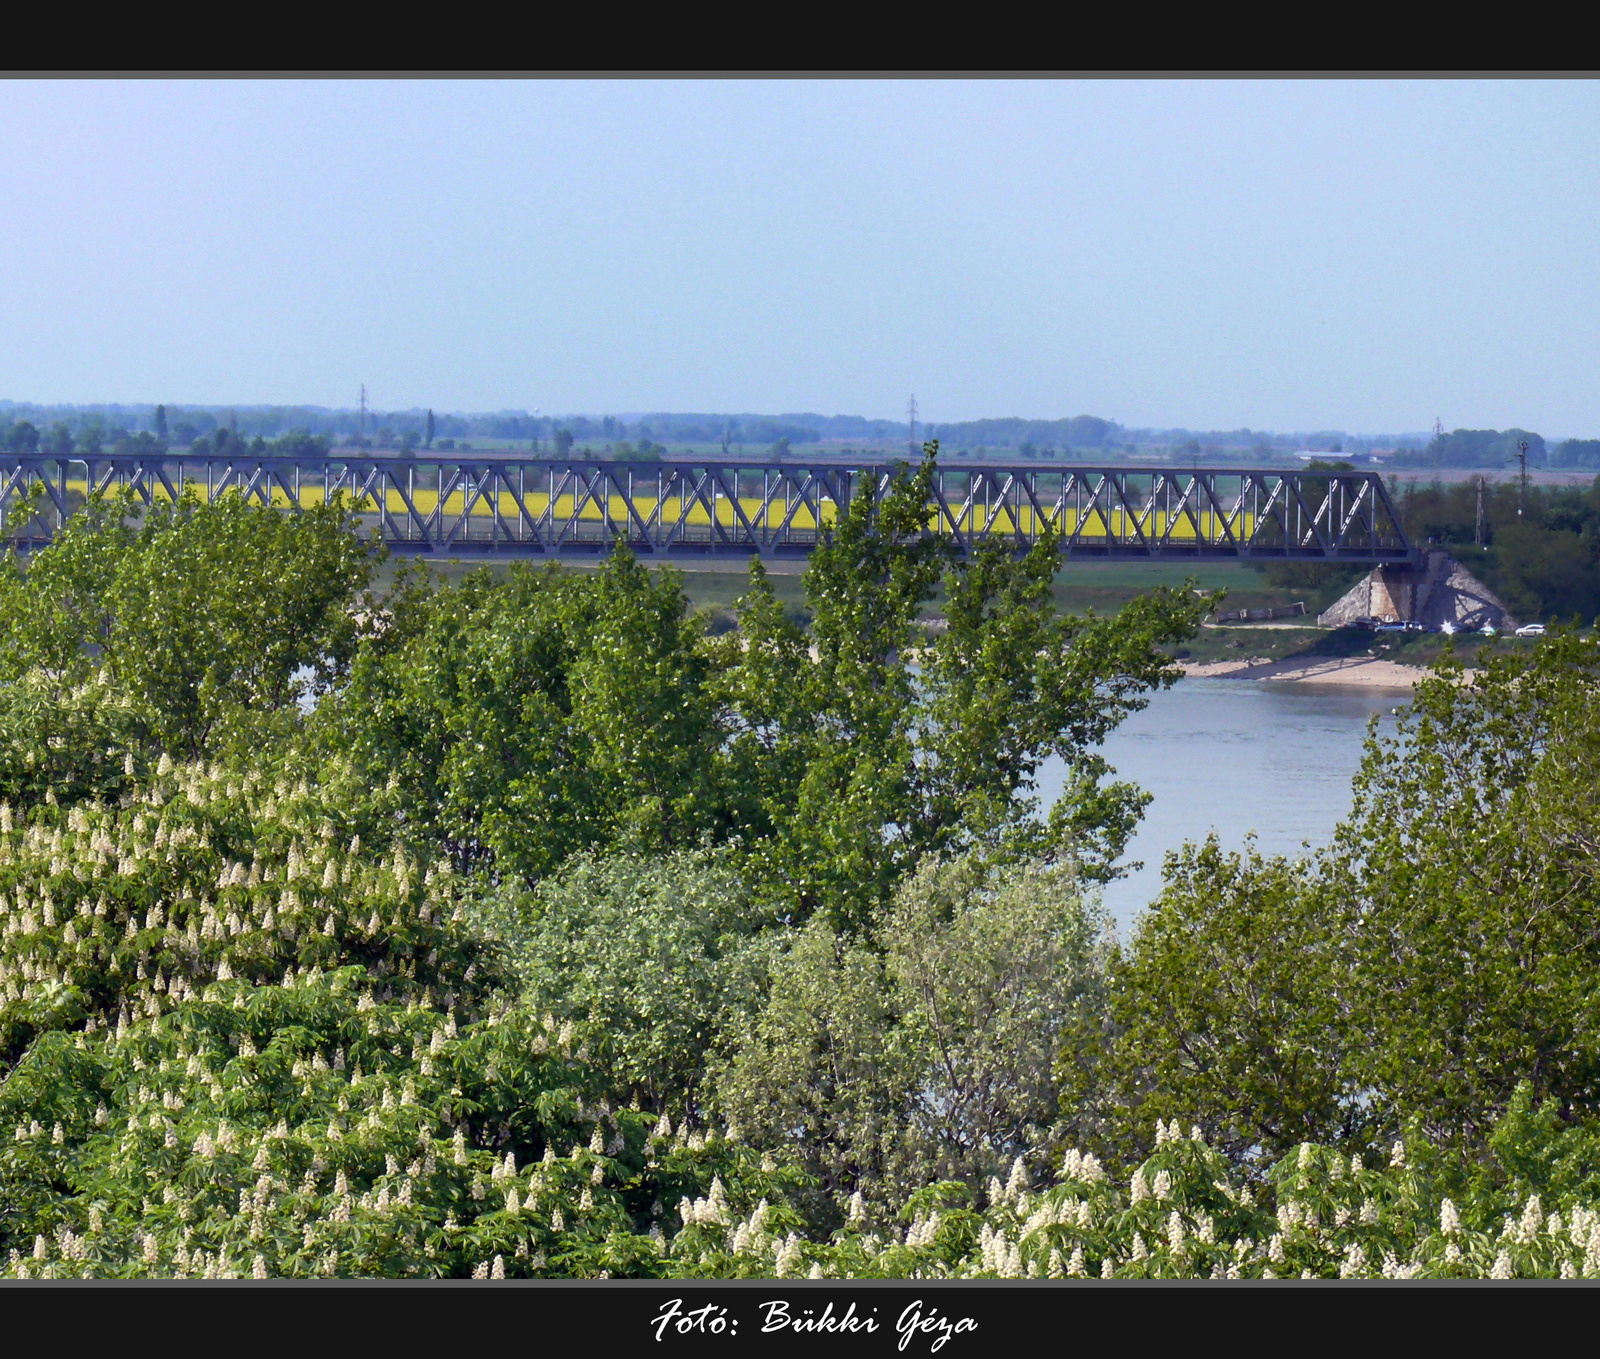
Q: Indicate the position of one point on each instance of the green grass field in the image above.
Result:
(1105, 587)
(1079, 586)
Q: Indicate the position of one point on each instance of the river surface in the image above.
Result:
(1235, 756)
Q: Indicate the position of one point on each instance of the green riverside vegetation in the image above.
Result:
(516, 925)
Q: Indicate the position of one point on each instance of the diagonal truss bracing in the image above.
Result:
(525, 506)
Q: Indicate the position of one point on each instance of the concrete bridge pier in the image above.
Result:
(1433, 591)
(1399, 593)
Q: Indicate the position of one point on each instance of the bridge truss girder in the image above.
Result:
(538, 507)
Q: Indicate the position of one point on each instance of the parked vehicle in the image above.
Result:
(1531, 630)
(1489, 630)
(1390, 627)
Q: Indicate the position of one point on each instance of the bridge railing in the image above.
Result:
(459, 506)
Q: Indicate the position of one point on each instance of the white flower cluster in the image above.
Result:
(711, 1211)
(1180, 1216)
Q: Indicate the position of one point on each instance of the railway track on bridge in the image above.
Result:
(515, 505)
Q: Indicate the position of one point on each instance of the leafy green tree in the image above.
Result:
(1542, 573)
(841, 840)
(292, 1042)
(1482, 448)
(300, 443)
(228, 614)
(1010, 683)
(461, 703)
(642, 707)
(899, 763)
(58, 615)
(987, 968)
(1437, 955)
(532, 718)
(196, 875)
(161, 422)
(563, 441)
(1223, 1009)
(926, 1054)
(1470, 853)
(657, 953)
(70, 741)
(817, 1069)
(204, 625)
(1576, 453)
(288, 1131)
(550, 712)
(428, 438)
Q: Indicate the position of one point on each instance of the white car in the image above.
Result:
(1531, 630)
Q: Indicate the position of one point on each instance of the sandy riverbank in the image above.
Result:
(1361, 671)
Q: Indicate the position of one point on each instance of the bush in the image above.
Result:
(311, 1130)
(926, 1055)
(1439, 953)
(1220, 1010)
(657, 954)
(1187, 1214)
(113, 912)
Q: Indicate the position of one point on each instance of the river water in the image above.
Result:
(1235, 756)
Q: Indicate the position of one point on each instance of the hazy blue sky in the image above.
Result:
(1282, 255)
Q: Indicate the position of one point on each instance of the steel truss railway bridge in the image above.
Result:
(515, 506)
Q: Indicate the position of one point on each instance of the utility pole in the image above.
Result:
(1522, 490)
(911, 417)
(1481, 528)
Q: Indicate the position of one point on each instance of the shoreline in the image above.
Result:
(1364, 672)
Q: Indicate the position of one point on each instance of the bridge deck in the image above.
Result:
(522, 506)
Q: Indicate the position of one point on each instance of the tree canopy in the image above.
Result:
(1437, 957)
(1544, 561)
(520, 926)
(528, 716)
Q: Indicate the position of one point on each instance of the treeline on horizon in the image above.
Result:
(95, 427)
(310, 431)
